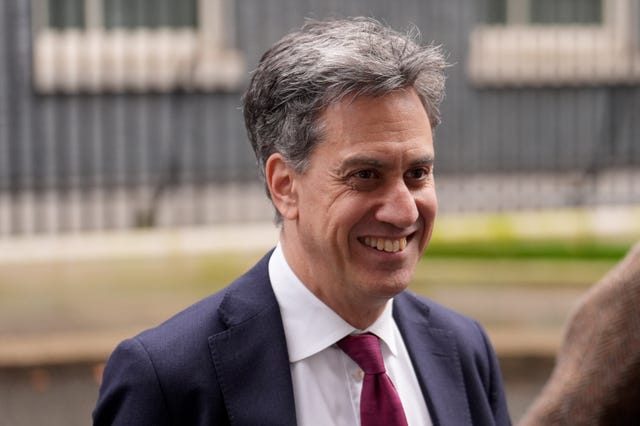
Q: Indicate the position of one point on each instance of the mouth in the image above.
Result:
(388, 245)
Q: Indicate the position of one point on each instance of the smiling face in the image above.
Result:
(360, 216)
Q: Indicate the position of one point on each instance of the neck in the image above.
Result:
(361, 320)
(353, 307)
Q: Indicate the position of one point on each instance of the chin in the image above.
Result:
(391, 288)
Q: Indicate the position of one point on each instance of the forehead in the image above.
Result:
(396, 122)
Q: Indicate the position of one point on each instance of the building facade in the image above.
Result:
(121, 114)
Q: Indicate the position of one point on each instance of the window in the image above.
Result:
(544, 11)
(556, 42)
(134, 45)
(150, 14)
(565, 11)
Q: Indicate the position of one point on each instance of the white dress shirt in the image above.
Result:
(326, 382)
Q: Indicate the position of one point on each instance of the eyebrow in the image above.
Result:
(426, 160)
(359, 161)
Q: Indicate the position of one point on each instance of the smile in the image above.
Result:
(385, 244)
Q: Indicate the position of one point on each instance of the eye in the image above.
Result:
(419, 173)
(364, 180)
(364, 174)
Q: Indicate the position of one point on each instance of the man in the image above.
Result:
(340, 115)
(596, 380)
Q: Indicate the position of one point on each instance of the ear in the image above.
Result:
(280, 181)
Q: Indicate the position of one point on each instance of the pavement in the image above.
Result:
(63, 251)
(58, 255)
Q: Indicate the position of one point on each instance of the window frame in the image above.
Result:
(523, 54)
(520, 12)
(97, 60)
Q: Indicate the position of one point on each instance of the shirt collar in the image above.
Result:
(310, 326)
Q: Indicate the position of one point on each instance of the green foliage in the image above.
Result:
(531, 249)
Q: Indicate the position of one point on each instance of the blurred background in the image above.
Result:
(128, 189)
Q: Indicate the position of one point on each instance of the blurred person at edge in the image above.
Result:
(596, 380)
(340, 114)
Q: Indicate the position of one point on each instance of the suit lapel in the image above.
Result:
(251, 360)
(434, 354)
(250, 356)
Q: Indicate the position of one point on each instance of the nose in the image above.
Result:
(398, 206)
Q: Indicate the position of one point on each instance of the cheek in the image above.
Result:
(428, 207)
(427, 203)
(324, 214)
(341, 206)
(432, 206)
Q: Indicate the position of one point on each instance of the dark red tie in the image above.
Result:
(379, 401)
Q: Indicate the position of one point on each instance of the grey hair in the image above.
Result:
(315, 67)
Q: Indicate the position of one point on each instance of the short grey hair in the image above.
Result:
(315, 67)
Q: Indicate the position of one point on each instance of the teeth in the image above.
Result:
(387, 245)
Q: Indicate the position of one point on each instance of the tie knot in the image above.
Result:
(364, 349)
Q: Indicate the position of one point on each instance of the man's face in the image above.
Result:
(366, 203)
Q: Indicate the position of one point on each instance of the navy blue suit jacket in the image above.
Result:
(224, 361)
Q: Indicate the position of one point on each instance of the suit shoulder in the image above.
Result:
(199, 318)
(438, 316)
(168, 368)
(471, 339)
(210, 315)
(461, 339)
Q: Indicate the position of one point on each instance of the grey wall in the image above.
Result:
(88, 142)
